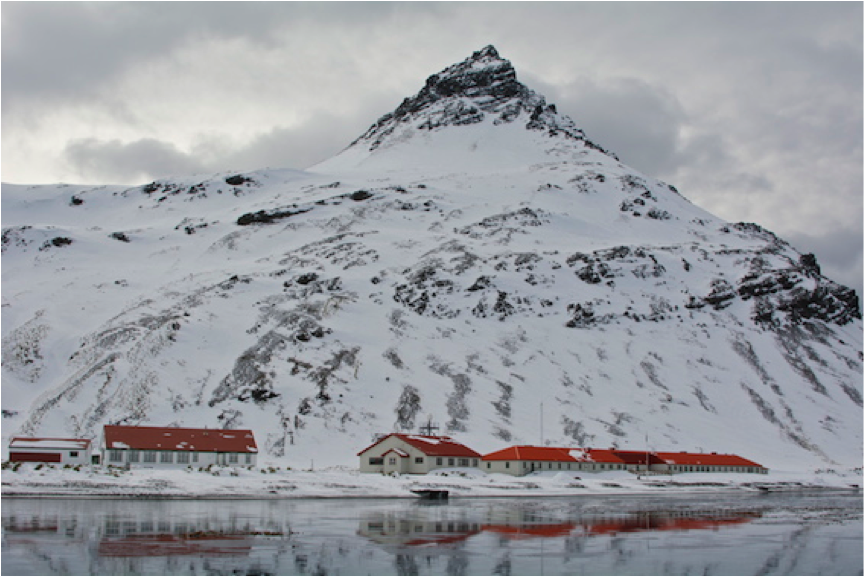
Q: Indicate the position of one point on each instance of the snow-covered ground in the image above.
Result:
(30, 479)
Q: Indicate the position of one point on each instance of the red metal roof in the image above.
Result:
(713, 459)
(575, 455)
(179, 439)
(554, 454)
(637, 457)
(431, 445)
(603, 456)
(531, 453)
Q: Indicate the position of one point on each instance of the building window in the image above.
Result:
(182, 457)
(450, 462)
(73, 453)
(376, 460)
(507, 464)
(391, 461)
(134, 456)
(474, 462)
(249, 458)
(166, 457)
(232, 457)
(194, 457)
(149, 456)
(115, 456)
(488, 465)
(464, 462)
(438, 461)
(418, 460)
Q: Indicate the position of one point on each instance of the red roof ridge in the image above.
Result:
(432, 445)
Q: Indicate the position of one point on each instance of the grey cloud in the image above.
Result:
(319, 138)
(640, 122)
(70, 50)
(126, 163)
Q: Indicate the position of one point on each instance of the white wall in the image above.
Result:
(410, 464)
(194, 459)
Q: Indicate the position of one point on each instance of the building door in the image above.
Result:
(394, 463)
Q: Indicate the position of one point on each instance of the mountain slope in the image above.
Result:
(472, 258)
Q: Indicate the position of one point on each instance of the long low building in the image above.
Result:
(706, 462)
(151, 447)
(524, 459)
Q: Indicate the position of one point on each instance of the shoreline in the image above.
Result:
(233, 483)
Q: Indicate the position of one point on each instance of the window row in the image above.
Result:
(440, 461)
(537, 466)
(180, 457)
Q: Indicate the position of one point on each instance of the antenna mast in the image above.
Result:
(542, 424)
(428, 428)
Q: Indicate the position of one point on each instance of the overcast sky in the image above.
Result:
(752, 110)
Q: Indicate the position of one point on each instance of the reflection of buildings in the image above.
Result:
(396, 529)
(628, 524)
(157, 545)
(393, 529)
(145, 538)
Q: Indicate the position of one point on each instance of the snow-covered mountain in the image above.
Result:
(473, 259)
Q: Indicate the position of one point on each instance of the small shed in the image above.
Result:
(49, 450)
(419, 454)
(176, 447)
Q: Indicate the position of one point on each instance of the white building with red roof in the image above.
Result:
(125, 446)
(49, 450)
(706, 463)
(524, 459)
(416, 454)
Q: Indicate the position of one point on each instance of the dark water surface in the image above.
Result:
(711, 534)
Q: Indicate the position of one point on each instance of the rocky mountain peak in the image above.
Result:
(468, 258)
(484, 86)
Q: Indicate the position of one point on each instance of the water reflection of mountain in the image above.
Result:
(411, 529)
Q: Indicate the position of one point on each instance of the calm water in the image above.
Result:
(775, 534)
